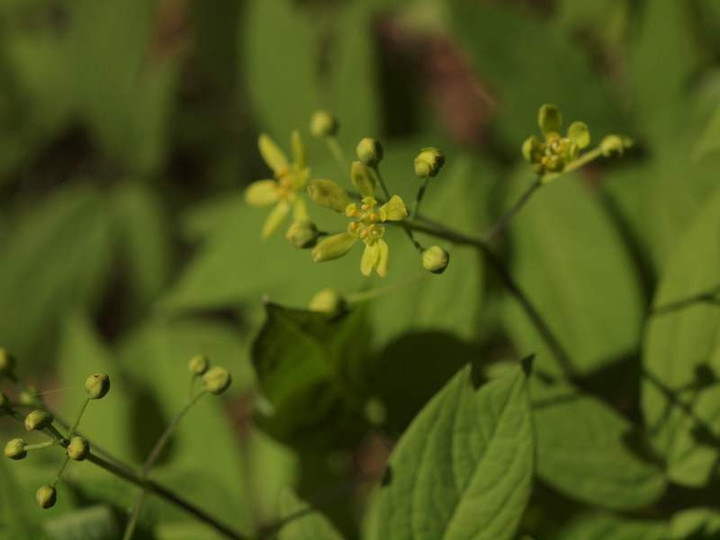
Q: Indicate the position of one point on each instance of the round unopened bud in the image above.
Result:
(429, 162)
(217, 380)
(323, 124)
(435, 259)
(7, 363)
(328, 301)
(15, 449)
(46, 496)
(302, 234)
(78, 449)
(38, 420)
(369, 151)
(198, 364)
(97, 386)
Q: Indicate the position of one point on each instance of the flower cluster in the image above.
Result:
(369, 214)
(555, 151)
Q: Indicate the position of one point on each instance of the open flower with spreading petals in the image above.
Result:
(367, 220)
(283, 190)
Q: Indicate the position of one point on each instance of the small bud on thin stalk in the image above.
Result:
(46, 496)
(198, 364)
(97, 386)
(217, 380)
(38, 420)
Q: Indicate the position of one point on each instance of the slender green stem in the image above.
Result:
(337, 152)
(375, 172)
(61, 470)
(40, 446)
(419, 198)
(152, 458)
(76, 424)
(505, 219)
(378, 292)
(158, 490)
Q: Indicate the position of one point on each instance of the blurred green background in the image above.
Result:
(128, 130)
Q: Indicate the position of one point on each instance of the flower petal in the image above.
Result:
(579, 133)
(275, 219)
(369, 258)
(271, 154)
(383, 258)
(261, 193)
(300, 212)
(393, 210)
(333, 247)
(362, 180)
(549, 119)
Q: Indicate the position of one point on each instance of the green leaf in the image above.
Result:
(709, 141)
(308, 364)
(15, 521)
(143, 237)
(571, 262)
(306, 523)
(56, 260)
(696, 523)
(583, 451)
(354, 74)
(464, 467)
(666, 31)
(93, 523)
(680, 345)
(537, 64)
(600, 526)
(123, 79)
(281, 46)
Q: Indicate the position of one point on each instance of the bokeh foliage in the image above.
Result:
(127, 134)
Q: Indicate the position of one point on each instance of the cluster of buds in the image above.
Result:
(215, 380)
(40, 420)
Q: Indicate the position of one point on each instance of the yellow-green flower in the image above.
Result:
(367, 220)
(555, 152)
(283, 190)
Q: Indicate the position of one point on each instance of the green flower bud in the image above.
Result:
(328, 301)
(198, 364)
(323, 124)
(217, 380)
(97, 386)
(333, 247)
(15, 449)
(46, 496)
(38, 420)
(329, 194)
(549, 119)
(78, 449)
(302, 234)
(362, 179)
(614, 144)
(429, 162)
(435, 259)
(369, 151)
(7, 363)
